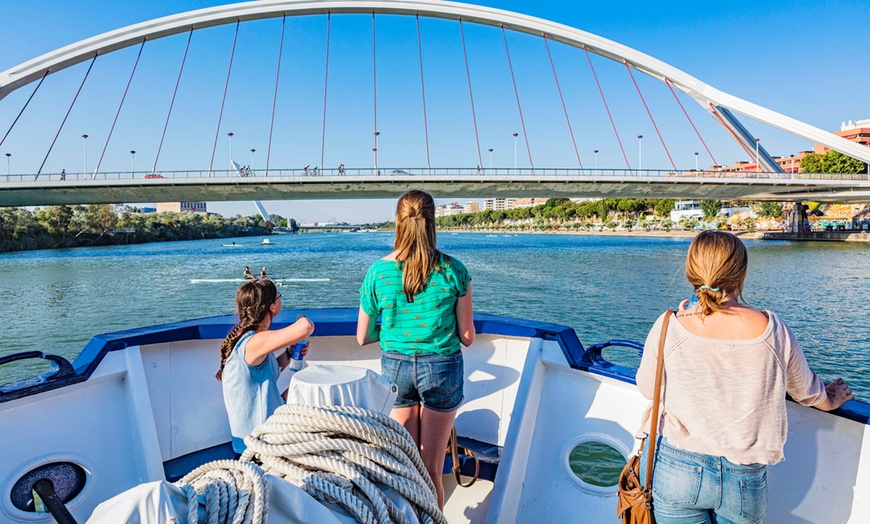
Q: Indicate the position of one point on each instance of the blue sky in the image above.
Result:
(803, 59)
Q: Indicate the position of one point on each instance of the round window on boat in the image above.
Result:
(596, 464)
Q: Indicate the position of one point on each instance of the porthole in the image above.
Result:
(594, 462)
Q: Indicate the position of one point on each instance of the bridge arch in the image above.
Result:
(720, 105)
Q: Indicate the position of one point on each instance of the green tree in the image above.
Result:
(664, 207)
(768, 209)
(832, 162)
(710, 208)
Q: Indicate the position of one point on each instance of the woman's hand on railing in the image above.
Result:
(838, 394)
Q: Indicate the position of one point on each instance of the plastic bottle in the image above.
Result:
(296, 357)
(692, 301)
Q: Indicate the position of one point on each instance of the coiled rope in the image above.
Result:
(337, 454)
(233, 491)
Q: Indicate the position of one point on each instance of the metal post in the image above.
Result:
(85, 141)
(515, 150)
(757, 166)
(791, 169)
(8, 165)
(375, 149)
(132, 162)
(230, 134)
(696, 161)
(640, 152)
(490, 158)
(596, 158)
(252, 159)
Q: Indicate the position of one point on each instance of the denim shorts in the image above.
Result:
(698, 488)
(435, 380)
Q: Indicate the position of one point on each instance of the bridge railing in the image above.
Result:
(149, 177)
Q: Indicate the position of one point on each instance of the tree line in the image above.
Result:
(608, 213)
(96, 225)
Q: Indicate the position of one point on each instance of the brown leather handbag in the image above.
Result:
(635, 504)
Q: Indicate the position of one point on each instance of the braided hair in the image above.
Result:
(253, 300)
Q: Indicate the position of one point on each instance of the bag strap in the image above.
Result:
(654, 423)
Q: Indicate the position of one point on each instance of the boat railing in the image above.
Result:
(329, 322)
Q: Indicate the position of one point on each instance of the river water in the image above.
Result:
(603, 286)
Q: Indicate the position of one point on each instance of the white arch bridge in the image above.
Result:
(767, 182)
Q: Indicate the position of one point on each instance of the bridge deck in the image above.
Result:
(50, 190)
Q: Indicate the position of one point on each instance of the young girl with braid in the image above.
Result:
(424, 298)
(249, 366)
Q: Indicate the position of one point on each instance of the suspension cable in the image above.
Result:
(375, 86)
(662, 140)
(517, 94)
(172, 101)
(275, 96)
(118, 113)
(23, 108)
(564, 107)
(610, 116)
(668, 82)
(224, 98)
(423, 91)
(470, 94)
(325, 84)
(68, 111)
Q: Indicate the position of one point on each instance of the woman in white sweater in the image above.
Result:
(728, 368)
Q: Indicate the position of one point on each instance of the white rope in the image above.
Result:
(233, 491)
(337, 454)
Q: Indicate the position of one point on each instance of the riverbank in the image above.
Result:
(816, 236)
(633, 233)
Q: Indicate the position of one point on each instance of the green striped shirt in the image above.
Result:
(426, 325)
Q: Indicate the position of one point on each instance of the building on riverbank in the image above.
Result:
(857, 131)
(446, 210)
(178, 207)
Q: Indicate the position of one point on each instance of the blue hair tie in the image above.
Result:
(713, 289)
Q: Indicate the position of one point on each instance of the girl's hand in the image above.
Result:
(305, 349)
(683, 304)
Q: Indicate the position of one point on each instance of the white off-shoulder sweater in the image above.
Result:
(727, 397)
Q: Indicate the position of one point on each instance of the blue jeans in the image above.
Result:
(435, 380)
(692, 488)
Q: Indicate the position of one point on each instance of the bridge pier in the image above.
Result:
(797, 219)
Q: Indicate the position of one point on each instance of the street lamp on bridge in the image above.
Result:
(596, 158)
(8, 168)
(252, 158)
(696, 161)
(132, 161)
(757, 166)
(230, 134)
(639, 152)
(375, 150)
(515, 149)
(85, 142)
(490, 158)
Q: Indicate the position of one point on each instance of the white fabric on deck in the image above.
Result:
(342, 386)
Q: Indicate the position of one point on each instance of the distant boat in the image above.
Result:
(266, 242)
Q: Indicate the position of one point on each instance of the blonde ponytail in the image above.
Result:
(415, 240)
(716, 267)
